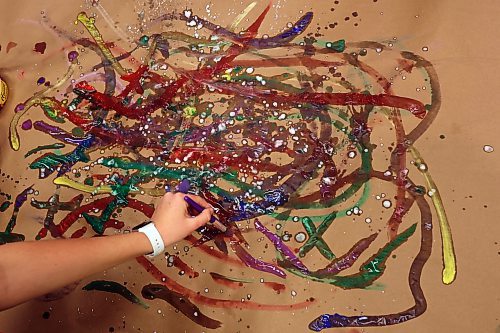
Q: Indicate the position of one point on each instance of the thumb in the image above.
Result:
(202, 218)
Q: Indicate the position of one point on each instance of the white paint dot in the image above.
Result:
(488, 149)
(300, 237)
(387, 203)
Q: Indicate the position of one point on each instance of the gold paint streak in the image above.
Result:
(67, 182)
(241, 16)
(88, 23)
(35, 100)
(449, 258)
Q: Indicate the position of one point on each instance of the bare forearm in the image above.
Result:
(31, 269)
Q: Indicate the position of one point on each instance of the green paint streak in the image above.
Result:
(5, 205)
(196, 177)
(229, 278)
(44, 147)
(156, 171)
(352, 190)
(97, 223)
(376, 286)
(10, 237)
(115, 288)
(52, 161)
(371, 270)
(315, 236)
(337, 46)
(319, 218)
(52, 113)
(120, 193)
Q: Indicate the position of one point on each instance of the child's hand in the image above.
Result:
(172, 219)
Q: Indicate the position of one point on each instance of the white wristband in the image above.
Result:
(154, 237)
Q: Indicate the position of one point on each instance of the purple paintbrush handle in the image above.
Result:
(197, 207)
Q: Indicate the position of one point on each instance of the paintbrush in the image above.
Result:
(198, 208)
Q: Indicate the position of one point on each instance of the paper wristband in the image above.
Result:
(154, 238)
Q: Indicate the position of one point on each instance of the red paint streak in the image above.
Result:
(218, 303)
(134, 80)
(278, 287)
(216, 254)
(181, 265)
(73, 117)
(398, 160)
(42, 233)
(144, 208)
(79, 233)
(211, 154)
(134, 112)
(100, 177)
(131, 139)
(59, 229)
(415, 107)
(114, 224)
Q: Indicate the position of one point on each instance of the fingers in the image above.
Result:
(202, 218)
(167, 197)
(175, 198)
(199, 200)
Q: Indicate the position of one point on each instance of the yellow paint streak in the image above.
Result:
(241, 16)
(67, 182)
(35, 100)
(88, 23)
(449, 258)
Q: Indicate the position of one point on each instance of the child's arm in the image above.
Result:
(34, 268)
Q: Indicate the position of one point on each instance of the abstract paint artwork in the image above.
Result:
(311, 145)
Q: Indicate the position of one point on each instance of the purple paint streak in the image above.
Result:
(281, 247)
(256, 263)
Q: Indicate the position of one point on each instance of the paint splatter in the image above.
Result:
(40, 47)
(488, 149)
(27, 125)
(10, 46)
